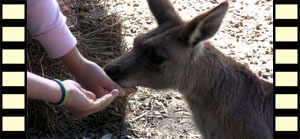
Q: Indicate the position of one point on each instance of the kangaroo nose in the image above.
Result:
(111, 71)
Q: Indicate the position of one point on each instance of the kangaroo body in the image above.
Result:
(227, 100)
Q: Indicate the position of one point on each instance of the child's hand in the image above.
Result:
(96, 80)
(82, 103)
(91, 76)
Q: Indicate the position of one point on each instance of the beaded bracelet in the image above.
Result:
(64, 93)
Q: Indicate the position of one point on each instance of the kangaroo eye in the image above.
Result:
(155, 59)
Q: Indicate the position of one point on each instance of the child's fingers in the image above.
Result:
(130, 90)
(89, 94)
(105, 100)
(110, 85)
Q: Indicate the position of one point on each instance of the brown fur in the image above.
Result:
(227, 100)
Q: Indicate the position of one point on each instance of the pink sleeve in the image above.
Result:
(48, 25)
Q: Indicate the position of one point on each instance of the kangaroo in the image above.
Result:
(227, 100)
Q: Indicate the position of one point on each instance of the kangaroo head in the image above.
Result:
(160, 57)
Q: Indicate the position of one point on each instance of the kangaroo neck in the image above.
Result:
(208, 68)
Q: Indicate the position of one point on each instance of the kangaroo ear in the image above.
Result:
(163, 11)
(205, 25)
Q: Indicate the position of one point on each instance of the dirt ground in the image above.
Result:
(246, 35)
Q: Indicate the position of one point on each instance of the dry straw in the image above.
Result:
(100, 39)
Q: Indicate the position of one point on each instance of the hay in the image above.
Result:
(100, 39)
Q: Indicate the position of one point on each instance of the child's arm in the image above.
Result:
(47, 24)
(42, 89)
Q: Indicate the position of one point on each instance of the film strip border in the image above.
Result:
(286, 68)
(13, 68)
